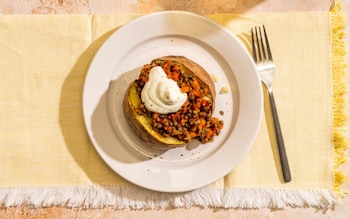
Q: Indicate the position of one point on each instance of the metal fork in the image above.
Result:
(266, 68)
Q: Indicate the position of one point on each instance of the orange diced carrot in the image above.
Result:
(193, 134)
(185, 89)
(209, 133)
(196, 85)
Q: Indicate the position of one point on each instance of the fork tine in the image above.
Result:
(263, 52)
(258, 44)
(253, 46)
(267, 45)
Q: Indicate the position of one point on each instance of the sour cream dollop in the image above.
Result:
(161, 94)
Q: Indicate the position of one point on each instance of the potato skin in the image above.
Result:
(150, 137)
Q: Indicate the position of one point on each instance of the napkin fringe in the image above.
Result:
(340, 141)
(133, 197)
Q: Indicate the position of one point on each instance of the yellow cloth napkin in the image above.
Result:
(46, 157)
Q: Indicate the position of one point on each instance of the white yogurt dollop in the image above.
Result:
(161, 94)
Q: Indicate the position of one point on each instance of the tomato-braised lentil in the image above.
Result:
(194, 119)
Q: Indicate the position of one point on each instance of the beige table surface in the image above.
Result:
(342, 210)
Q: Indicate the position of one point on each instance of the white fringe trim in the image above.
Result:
(133, 197)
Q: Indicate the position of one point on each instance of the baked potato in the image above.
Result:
(192, 121)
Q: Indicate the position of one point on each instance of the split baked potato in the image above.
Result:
(193, 121)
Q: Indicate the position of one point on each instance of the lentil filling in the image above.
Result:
(194, 119)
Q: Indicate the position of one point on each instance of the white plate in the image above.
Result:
(119, 60)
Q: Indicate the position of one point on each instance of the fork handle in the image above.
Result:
(280, 142)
